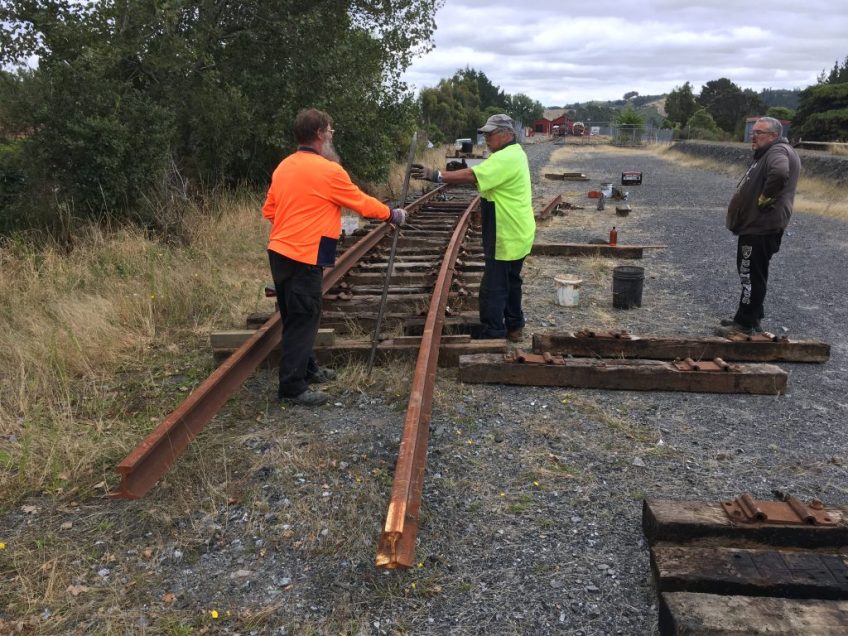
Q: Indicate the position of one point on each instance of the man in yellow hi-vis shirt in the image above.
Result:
(508, 224)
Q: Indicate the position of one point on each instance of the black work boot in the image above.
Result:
(323, 374)
(307, 398)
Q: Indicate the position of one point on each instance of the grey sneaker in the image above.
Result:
(308, 398)
(323, 374)
(729, 322)
(735, 328)
(515, 336)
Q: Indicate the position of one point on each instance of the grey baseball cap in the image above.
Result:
(495, 122)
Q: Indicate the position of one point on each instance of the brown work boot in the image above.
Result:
(515, 336)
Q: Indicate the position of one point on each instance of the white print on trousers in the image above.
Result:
(745, 274)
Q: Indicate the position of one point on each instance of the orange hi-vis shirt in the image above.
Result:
(304, 206)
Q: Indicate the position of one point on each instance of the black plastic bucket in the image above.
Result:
(627, 286)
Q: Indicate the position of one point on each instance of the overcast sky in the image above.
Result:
(565, 52)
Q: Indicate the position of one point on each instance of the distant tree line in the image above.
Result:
(457, 106)
(135, 105)
(719, 111)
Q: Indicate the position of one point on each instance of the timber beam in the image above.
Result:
(588, 344)
(402, 348)
(633, 375)
(691, 613)
(591, 249)
(690, 521)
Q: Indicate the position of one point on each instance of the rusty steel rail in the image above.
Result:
(396, 547)
(147, 462)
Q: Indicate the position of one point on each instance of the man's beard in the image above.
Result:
(329, 152)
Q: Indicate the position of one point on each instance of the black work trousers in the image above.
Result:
(500, 298)
(298, 288)
(753, 254)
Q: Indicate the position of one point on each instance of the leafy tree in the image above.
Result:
(524, 109)
(489, 94)
(780, 112)
(128, 93)
(726, 102)
(452, 107)
(701, 125)
(680, 104)
(822, 113)
(630, 125)
(458, 105)
(838, 74)
(630, 95)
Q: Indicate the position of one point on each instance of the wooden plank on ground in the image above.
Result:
(634, 375)
(463, 322)
(566, 176)
(388, 350)
(673, 348)
(693, 614)
(586, 249)
(749, 572)
(686, 521)
(409, 303)
(347, 351)
(234, 338)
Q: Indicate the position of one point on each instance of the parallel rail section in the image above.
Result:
(151, 459)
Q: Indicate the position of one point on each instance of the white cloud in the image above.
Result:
(563, 52)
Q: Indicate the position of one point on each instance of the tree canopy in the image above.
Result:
(680, 104)
(728, 104)
(458, 105)
(838, 74)
(129, 96)
(823, 113)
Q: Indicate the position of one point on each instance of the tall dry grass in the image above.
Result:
(814, 195)
(77, 328)
(87, 337)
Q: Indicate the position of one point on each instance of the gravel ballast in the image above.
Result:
(531, 513)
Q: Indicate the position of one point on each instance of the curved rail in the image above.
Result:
(396, 547)
(147, 462)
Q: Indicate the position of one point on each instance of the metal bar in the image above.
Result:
(147, 462)
(404, 191)
(396, 548)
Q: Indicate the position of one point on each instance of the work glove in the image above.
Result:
(425, 174)
(398, 217)
(764, 201)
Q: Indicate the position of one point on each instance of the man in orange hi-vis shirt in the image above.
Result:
(308, 190)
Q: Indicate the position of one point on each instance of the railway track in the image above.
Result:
(437, 270)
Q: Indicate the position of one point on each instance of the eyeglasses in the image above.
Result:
(330, 130)
(761, 132)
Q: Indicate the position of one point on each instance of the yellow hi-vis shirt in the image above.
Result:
(504, 180)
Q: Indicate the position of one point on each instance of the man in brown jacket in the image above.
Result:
(758, 213)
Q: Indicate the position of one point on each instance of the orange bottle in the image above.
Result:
(613, 236)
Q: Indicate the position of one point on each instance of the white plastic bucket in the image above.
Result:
(567, 291)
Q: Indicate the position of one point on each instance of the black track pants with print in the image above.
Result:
(753, 254)
(299, 298)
